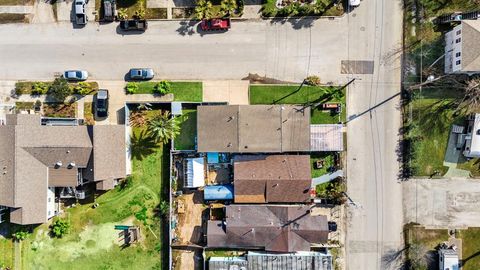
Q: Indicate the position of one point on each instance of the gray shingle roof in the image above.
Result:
(471, 45)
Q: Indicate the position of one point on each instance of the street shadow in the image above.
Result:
(302, 22)
(187, 27)
(463, 261)
(393, 259)
(216, 32)
(119, 31)
(121, 116)
(355, 116)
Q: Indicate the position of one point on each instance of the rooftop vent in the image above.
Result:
(58, 164)
(71, 165)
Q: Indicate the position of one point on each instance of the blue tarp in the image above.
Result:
(212, 158)
(218, 193)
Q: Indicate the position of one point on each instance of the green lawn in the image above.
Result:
(421, 242)
(328, 159)
(90, 244)
(188, 131)
(182, 91)
(6, 250)
(293, 94)
(429, 128)
(470, 248)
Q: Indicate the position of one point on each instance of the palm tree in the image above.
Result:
(203, 10)
(471, 101)
(162, 127)
(228, 6)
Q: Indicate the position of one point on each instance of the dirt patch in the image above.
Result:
(255, 78)
(189, 230)
(59, 110)
(187, 259)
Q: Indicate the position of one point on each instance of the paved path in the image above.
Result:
(42, 13)
(232, 92)
(16, 9)
(326, 178)
(287, 50)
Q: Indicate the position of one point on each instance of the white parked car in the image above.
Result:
(354, 3)
(75, 75)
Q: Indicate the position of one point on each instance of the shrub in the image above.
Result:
(39, 88)
(20, 235)
(140, 13)
(82, 88)
(312, 80)
(59, 228)
(122, 14)
(162, 87)
(132, 87)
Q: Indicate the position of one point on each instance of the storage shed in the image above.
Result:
(195, 173)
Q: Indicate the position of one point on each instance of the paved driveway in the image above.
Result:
(232, 92)
(442, 203)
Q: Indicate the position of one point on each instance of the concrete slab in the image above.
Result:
(16, 9)
(42, 13)
(442, 203)
(232, 92)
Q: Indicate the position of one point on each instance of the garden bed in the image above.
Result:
(88, 114)
(182, 91)
(12, 18)
(59, 110)
(41, 88)
(328, 161)
(299, 9)
(183, 13)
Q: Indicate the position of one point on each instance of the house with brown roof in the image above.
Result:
(268, 227)
(253, 128)
(462, 48)
(36, 159)
(272, 178)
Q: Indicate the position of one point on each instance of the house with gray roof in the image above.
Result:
(275, 228)
(462, 48)
(36, 159)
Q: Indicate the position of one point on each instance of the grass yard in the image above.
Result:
(6, 250)
(131, 6)
(328, 161)
(91, 243)
(188, 131)
(182, 91)
(59, 110)
(428, 129)
(32, 87)
(293, 94)
(19, 105)
(470, 248)
(88, 114)
(421, 244)
(12, 18)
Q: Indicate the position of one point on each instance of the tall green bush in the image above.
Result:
(132, 87)
(162, 87)
(59, 228)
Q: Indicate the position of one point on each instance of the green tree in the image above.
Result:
(59, 90)
(227, 7)
(162, 127)
(164, 208)
(203, 10)
(132, 87)
(59, 228)
(20, 235)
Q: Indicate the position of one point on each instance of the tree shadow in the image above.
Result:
(187, 27)
(142, 144)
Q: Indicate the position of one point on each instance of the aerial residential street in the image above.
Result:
(276, 50)
(282, 50)
(374, 238)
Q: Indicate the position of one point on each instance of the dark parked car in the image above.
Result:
(101, 105)
(141, 73)
(133, 25)
(109, 10)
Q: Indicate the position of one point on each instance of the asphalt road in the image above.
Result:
(374, 233)
(281, 50)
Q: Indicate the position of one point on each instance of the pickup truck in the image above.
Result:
(80, 14)
(133, 25)
(109, 10)
(215, 24)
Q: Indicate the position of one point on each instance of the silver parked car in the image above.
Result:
(141, 73)
(75, 75)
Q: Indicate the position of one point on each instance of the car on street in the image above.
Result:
(141, 73)
(80, 12)
(354, 3)
(101, 104)
(134, 25)
(75, 75)
(215, 24)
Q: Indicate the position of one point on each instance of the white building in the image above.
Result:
(472, 139)
(448, 259)
(462, 48)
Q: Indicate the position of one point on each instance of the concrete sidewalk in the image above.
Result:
(16, 9)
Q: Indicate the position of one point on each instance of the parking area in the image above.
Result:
(442, 203)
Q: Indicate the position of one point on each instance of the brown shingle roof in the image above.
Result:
(273, 228)
(471, 45)
(272, 178)
(29, 153)
(253, 128)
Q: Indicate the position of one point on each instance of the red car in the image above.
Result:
(215, 24)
